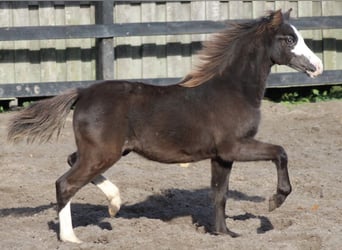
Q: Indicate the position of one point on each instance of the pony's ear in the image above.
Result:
(276, 19)
(286, 15)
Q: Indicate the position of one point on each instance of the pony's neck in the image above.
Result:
(237, 59)
(252, 70)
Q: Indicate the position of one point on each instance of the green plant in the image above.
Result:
(312, 95)
(336, 92)
(26, 104)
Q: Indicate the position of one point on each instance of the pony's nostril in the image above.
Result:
(312, 68)
(318, 69)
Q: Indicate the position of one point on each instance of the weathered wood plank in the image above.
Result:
(128, 57)
(177, 64)
(332, 59)
(260, 8)
(317, 34)
(34, 47)
(6, 47)
(87, 53)
(197, 13)
(46, 16)
(21, 57)
(61, 66)
(105, 48)
(184, 14)
(146, 29)
(73, 46)
(213, 10)
(276, 80)
(153, 47)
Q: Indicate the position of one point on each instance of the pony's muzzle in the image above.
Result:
(318, 69)
(317, 65)
(312, 68)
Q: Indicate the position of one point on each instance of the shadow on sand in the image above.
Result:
(166, 206)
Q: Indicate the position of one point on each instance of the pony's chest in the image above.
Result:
(248, 124)
(242, 124)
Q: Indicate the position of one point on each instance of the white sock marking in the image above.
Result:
(66, 232)
(111, 191)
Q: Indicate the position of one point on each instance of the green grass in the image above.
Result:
(305, 95)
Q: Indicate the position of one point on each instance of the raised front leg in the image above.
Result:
(252, 150)
(220, 171)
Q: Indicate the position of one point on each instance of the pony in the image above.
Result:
(213, 113)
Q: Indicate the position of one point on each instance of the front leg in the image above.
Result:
(253, 150)
(220, 171)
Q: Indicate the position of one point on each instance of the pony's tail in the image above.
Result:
(41, 120)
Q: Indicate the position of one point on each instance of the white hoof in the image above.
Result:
(70, 238)
(114, 206)
(184, 165)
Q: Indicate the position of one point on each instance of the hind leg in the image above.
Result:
(85, 169)
(110, 190)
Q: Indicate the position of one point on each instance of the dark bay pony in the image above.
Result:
(213, 113)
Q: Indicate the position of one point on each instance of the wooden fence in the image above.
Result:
(49, 46)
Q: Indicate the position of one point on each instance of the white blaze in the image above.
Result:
(301, 49)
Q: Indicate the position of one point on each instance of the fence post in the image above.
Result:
(104, 46)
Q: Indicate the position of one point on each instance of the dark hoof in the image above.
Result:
(233, 235)
(227, 232)
(275, 201)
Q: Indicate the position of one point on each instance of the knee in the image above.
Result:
(281, 155)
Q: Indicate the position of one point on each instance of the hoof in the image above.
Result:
(233, 235)
(276, 201)
(112, 211)
(70, 238)
(184, 165)
(227, 232)
(114, 206)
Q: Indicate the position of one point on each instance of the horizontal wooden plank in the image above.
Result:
(106, 31)
(40, 88)
(275, 80)
(316, 23)
(145, 29)
(156, 1)
(297, 79)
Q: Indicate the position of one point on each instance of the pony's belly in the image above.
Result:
(164, 155)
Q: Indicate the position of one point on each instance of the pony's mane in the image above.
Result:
(218, 53)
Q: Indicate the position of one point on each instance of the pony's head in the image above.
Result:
(269, 40)
(289, 48)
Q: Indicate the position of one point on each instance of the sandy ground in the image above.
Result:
(169, 207)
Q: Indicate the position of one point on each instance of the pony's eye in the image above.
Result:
(290, 40)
